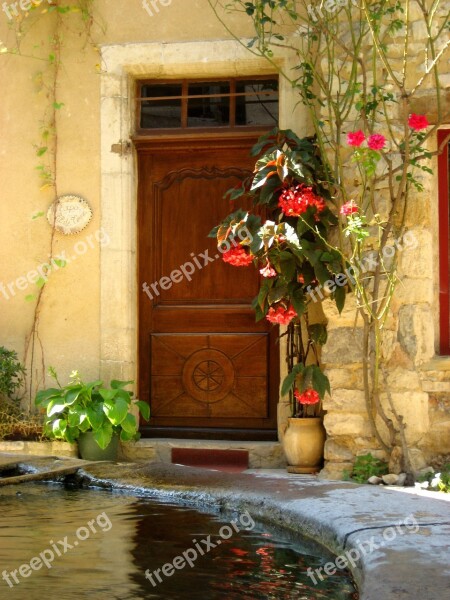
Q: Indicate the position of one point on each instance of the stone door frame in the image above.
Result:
(122, 64)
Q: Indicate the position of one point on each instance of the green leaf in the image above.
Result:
(144, 409)
(30, 297)
(74, 418)
(41, 282)
(287, 265)
(59, 262)
(291, 237)
(321, 273)
(71, 434)
(318, 333)
(268, 190)
(117, 384)
(289, 380)
(261, 299)
(259, 313)
(103, 435)
(93, 384)
(320, 381)
(277, 293)
(129, 424)
(95, 416)
(339, 298)
(116, 411)
(73, 394)
(108, 395)
(55, 406)
(59, 428)
(127, 437)
(298, 301)
(58, 105)
(42, 150)
(78, 418)
(38, 214)
(124, 395)
(44, 396)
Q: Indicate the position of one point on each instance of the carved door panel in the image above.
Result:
(206, 367)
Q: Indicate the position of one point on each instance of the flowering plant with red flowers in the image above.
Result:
(289, 249)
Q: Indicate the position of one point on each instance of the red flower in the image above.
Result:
(309, 396)
(376, 141)
(239, 552)
(355, 138)
(300, 278)
(296, 200)
(237, 257)
(268, 271)
(281, 315)
(417, 122)
(348, 208)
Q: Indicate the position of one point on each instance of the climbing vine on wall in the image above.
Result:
(60, 21)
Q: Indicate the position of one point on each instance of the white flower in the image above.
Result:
(436, 480)
(423, 485)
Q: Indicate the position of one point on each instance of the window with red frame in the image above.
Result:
(444, 239)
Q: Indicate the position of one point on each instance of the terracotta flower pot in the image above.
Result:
(303, 445)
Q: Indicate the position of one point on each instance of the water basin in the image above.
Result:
(63, 544)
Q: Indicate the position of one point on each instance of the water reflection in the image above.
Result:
(108, 564)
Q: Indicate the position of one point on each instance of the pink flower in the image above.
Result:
(417, 122)
(237, 257)
(268, 271)
(376, 141)
(309, 396)
(281, 315)
(349, 208)
(355, 138)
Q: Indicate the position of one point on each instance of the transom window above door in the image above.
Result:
(237, 103)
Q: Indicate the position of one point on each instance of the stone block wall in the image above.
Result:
(417, 381)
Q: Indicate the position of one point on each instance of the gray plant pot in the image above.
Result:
(90, 450)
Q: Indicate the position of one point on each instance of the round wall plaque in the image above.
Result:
(73, 213)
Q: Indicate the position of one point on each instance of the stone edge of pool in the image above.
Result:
(402, 538)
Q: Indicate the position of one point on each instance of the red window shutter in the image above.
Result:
(444, 243)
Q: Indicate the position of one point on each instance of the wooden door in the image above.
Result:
(206, 368)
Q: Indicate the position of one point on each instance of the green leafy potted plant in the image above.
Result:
(293, 257)
(91, 414)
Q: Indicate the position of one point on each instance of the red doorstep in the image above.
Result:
(208, 458)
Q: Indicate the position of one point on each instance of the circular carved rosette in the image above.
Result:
(208, 375)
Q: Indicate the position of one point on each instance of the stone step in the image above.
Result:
(254, 455)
